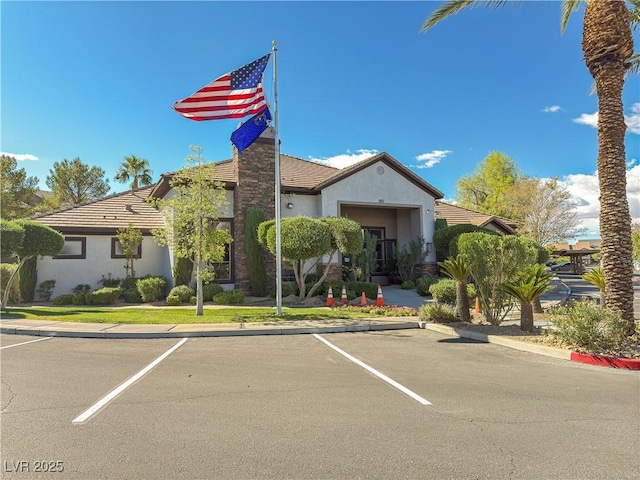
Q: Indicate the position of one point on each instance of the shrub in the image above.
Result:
(289, 289)
(103, 296)
(81, 288)
(209, 290)
(446, 238)
(586, 327)
(109, 282)
(174, 300)
(370, 289)
(229, 297)
(183, 292)
(182, 271)
(45, 290)
(79, 299)
(66, 299)
(434, 313)
(132, 295)
(128, 282)
(151, 289)
(28, 279)
(408, 285)
(423, 284)
(6, 270)
(193, 300)
(445, 291)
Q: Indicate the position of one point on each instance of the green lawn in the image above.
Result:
(184, 315)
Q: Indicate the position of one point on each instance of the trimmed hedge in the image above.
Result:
(132, 295)
(173, 300)
(209, 290)
(151, 289)
(423, 284)
(183, 292)
(66, 299)
(229, 297)
(103, 296)
(445, 291)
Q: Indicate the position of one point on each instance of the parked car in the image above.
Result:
(558, 266)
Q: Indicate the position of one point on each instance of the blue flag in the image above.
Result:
(247, 133)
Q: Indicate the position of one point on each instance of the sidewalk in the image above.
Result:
(393, 295)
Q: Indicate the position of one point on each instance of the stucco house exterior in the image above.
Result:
(380, 193)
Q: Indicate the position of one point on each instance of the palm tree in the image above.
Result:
(596, 277)
(458, 269)
(607, 45)
(134, 169)
(532, 283)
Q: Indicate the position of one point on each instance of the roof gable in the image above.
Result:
(392, 163)
(456, 215)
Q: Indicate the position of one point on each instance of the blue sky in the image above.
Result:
(96, 80)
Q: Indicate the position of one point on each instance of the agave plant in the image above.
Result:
(529, 285)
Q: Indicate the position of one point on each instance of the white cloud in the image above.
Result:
(585, 191)
(552, 109)
(590, 119)
(632, 120)
(21, 156)
(431, 158)
(346, 159)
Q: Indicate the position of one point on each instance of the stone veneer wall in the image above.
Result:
(255, 169)
(427, 269)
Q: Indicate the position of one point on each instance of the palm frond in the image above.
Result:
(568, 7)
(454, 6)
(633, 65)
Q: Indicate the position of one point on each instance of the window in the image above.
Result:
(116, 249)
(385, 248)
(223, 269)
(74, 248)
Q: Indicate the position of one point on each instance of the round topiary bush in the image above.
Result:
(423, 284)
(183, 292)
(132, 295)
(209, 290)
(229, 297)
(173, 300)
(103, 296)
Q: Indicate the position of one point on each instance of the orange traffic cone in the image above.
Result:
(343, 298)
(380, 300)
(363, 300)
(330, 297)
(478, 309)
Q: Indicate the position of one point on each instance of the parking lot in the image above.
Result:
(394, 404)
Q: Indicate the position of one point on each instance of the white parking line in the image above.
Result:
(378, 374)
(24, 343)
(122, 387)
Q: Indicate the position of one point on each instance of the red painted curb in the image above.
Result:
(606, 361)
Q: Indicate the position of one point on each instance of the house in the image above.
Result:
(455, 215)
(380, 193)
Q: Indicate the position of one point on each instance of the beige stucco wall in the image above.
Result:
(388, 189)
(98, 262)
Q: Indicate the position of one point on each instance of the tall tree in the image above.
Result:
(73, 182)
(135, 169)
(544, 209)
(18, 190)
(487, 187)
(191, 214)
(607, 45)
(27, 239)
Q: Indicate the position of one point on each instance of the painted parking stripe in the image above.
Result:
(24, 343)
(378, 374)
(83, 417)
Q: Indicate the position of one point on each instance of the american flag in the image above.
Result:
(233, 95)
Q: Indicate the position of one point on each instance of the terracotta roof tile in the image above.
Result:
(456, 215)
(108, 213)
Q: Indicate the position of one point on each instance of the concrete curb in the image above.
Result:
(498, 340)
(362, 326)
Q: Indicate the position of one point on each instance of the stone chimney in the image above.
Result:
(255, 171)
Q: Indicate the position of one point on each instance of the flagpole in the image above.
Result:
(277, 187)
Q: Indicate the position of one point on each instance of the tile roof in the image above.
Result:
(456, 215)
(107, 214)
